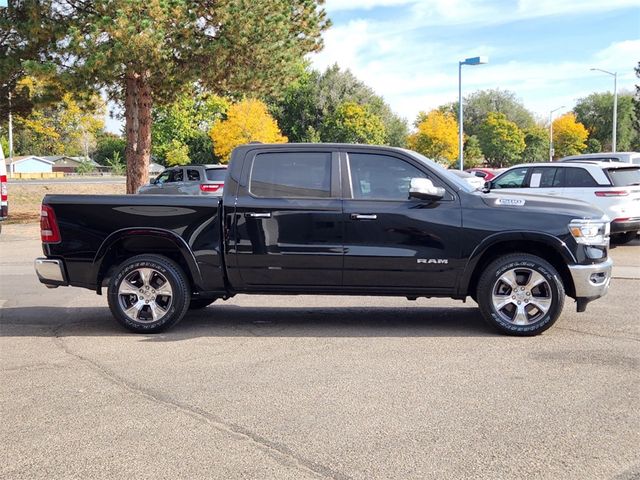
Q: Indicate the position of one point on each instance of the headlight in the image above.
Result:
(590, 232)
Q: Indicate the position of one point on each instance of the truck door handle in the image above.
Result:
(363, 216)
(257, 215)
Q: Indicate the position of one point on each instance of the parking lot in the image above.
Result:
(314, 387)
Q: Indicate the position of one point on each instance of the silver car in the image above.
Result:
(188, 180)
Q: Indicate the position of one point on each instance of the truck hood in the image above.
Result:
(542, 203)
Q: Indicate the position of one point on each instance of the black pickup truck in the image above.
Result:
(329, 219)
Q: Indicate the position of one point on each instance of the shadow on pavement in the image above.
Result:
(237, 321)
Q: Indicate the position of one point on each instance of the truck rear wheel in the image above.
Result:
(148, 294)
(520, 294)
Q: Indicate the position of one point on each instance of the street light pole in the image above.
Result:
(10, 133)
(615, 105)
(551, 132)
(468, 61)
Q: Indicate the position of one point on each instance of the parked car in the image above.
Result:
(4, 199)
(624, 157)
(473, 180)
(188, 180)
(485, 173)
(329, 219)
(612, 186)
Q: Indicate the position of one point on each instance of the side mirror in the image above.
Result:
(487, 186)
(424, 189)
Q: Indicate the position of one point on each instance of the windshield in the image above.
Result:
(624, 177)
(440, 170)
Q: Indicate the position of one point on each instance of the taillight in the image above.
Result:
(622, 219)
(210, 187)
(49, 232)
(612, 193)
(3, 188)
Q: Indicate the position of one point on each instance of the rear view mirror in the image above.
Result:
(424, 189)
(487, 186)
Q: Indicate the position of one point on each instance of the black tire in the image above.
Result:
(622, 238)
(538, 306)
(171, 307)
(199, 303)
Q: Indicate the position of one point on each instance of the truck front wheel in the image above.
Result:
(148, 293)
(520, 294)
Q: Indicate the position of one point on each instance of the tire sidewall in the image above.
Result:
(175, 279)
(544, 269)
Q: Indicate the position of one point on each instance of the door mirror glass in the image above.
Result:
(424, 189)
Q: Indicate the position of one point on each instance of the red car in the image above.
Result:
(485, 173)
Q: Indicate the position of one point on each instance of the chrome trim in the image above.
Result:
(584, 286)
(49, 270)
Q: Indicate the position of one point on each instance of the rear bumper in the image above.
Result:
(51, 272)
(627, 225)
(591, 281)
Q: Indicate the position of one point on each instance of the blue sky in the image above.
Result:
(408, 50)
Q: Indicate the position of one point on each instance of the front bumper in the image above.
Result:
(51, 272)
(591, 281)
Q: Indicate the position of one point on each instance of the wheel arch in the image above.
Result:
(129, 242)
(545, 246)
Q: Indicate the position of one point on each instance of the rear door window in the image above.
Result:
(513, 179)
(291, 175)
(624, 177)
(193, 175)
(544, 177)
(176, 176)
(216, 174)
(578, 178)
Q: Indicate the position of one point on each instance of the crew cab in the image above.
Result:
(329, 219)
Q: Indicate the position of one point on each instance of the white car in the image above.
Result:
(624, 157)
(473, 180)
(614, 187)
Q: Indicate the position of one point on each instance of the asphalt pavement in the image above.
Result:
(314, 387)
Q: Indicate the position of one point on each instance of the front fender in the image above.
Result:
(532, 237)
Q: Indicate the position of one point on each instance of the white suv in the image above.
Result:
(613, 187)
(625, 157)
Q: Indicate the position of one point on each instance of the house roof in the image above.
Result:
(23, 158)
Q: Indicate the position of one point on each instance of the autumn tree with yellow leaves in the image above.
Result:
(247, 121)
(437, 136)
(569, 136)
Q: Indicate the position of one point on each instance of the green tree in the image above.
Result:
(177, 153)
(501, 140)
(308, 103)
(595, 112)
(593, 146)
(436, 137)
(85, 167)
(107, 145)
(479, 104)
(473, 156)
(536, 141)
(146, 53)
(569, 136)
(636, 110)
(116, 164)
(353, 123)
(188, 120)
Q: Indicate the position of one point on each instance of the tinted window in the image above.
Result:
(216, 174)
(624, 177)
(176, 175)
(193, 175)
(578, 177)
(512, 179)
(291, 174)
(544, 177)
(381, 176)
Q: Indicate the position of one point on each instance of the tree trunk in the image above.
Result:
(137, 113)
